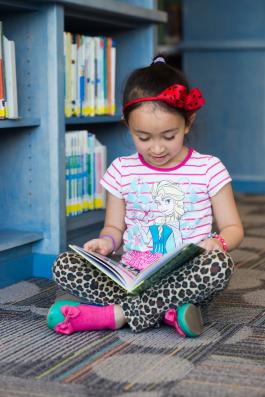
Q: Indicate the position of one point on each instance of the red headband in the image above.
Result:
(177, 96)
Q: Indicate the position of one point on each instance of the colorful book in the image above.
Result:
(100, 160)
(85, 165)
(90, 69)
(135, 281)
(113, 78)
(67, 74)
(91, 170)
(88, 108)
(80, 69)
(2, 76)
(11, 79)
(74, 84)
(109, 73)
(99, 66)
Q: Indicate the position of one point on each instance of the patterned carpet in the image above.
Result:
(227, 360)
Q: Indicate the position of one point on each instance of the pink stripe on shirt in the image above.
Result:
(220, 183)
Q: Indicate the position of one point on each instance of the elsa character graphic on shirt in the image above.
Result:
(156, 213)
(165, 232)
(153, 221)
(143, 210)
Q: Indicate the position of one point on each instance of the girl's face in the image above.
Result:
(158, 135)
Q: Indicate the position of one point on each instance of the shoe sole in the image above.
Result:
(191, 322)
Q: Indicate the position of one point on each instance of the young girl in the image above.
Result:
(159, 198)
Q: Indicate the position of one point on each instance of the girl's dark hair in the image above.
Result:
(150, 81)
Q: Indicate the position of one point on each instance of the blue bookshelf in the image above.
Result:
(16, 238)
(20, 123)
(85, 220)
(92, 120)
(34, 227)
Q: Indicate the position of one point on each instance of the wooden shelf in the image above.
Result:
(92, 120)
(85, 220)
(19, 123)
(15, 238)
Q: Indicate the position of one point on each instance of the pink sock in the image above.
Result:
(86, 318)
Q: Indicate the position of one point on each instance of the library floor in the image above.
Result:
(227, 360)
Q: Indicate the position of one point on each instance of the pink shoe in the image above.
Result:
(66, 317)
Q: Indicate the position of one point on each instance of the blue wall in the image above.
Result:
(224, 54)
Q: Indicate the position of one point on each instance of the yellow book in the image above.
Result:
(100, 154)
(67, 74)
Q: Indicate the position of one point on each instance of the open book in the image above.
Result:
(135, 281)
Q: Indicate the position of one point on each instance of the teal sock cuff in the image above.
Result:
(55, 315)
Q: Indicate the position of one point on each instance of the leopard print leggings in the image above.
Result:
(197, 282)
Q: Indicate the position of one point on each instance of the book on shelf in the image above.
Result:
(75, 109)
(100, 166)
(11, 79)
(88, 108)
(90, 72)
(113, 78)
(8, 78)
(99, 90)
(85, 159)
(67, 74)
(2, 82)
(135, 281)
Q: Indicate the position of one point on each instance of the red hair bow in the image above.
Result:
(176, 96)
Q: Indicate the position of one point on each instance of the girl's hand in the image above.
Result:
(103, 246)
(211, 244)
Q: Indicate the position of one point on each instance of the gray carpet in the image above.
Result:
(227, 360)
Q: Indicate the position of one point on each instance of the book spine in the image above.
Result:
(109, 74)
(175, 261)
(67, 74)
(84, 138)
(99, 51)
(79, 173)
(73, 76)
(105, 103)
(100, 169)
(11, 80)
(76, 71)
(113, 78)
(81, 73)
(89, 107)
(72, 175)
(67, 174)
(3, 110)
(101, 109)
(90, 165)
(13, 94)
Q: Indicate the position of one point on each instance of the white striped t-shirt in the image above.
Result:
(166, 207)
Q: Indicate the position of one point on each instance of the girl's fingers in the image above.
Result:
(97, 245)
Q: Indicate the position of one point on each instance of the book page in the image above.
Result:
(118, 272)
(166, 265)
(159, 264)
